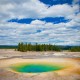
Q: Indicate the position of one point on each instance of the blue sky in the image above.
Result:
(42, 21)
(54, 20)
(55, 2)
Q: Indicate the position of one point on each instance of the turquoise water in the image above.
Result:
(35, 68)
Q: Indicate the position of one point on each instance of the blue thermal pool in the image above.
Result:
(35, 67)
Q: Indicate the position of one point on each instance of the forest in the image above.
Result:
(23, 47)
(37, 47)
(75, 49)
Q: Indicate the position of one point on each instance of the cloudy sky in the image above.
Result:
(42, 21)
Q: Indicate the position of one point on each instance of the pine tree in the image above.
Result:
(37, 47)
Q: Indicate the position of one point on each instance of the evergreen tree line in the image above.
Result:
(75, 49)
(37, 47)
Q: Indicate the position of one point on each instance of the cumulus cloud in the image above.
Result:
(37, 22)
(39, 31)
(34, 9)
(49, 33)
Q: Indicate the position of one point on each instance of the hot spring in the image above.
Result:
(35, 67)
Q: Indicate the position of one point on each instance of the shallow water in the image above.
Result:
(35, 68)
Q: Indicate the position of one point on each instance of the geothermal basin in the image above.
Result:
(36, 67)
(40, 69)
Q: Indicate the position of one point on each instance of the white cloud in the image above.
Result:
(38, 22)
(59, 10)
(58, 34)
(34, 9)
(38, 31)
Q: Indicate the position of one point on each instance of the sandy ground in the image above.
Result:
(12, 53)
(10, 57)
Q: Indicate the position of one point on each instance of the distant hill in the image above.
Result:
(8, 47)
(65, 47)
